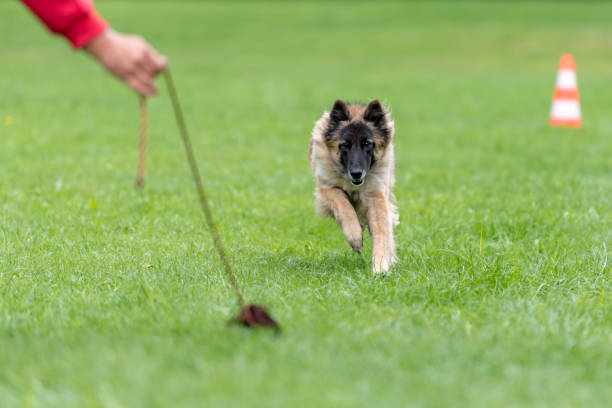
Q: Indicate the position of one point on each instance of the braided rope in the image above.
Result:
(178, 112)
(142, 143)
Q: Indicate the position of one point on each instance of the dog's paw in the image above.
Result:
(355, 241)
(382, 264)
(354, 235)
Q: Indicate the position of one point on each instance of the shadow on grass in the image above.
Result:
(305, 264)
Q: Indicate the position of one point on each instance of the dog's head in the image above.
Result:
(356, 136)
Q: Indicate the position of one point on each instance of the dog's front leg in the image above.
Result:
(383, 246)
(345, 215)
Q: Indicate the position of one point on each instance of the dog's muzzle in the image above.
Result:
(357, 177)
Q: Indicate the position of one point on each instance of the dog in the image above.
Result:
(353, 162)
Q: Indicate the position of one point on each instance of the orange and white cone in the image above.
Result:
(565, 109)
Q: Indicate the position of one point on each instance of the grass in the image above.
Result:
(115, 297)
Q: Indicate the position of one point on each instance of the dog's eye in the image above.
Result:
(367, 143)
(345, 145)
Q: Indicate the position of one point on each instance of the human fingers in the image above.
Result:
(155, 62)
(141, 83)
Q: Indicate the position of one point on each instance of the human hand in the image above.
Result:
(128, 57)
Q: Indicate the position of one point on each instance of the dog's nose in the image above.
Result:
(357, 175)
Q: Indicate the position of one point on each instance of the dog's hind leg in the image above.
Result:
(334, 200)
(381, 225)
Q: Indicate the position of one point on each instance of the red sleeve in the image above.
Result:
(77, 20)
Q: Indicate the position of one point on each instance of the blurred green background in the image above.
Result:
(115, 297)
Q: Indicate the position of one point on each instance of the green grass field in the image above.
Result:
(115, 297)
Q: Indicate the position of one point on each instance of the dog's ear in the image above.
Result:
(375, 113)
(339, 112)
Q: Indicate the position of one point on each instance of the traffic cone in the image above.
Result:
(565, 109)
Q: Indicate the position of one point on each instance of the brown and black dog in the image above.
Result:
(352, 159)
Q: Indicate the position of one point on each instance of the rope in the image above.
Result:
(142, 143)
(198, 183)
(251, 315)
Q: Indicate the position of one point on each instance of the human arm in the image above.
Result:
(128, 57)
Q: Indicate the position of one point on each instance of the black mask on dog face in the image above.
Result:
(356, 135)
(356, 150)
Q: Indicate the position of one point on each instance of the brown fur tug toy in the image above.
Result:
(253, 315)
